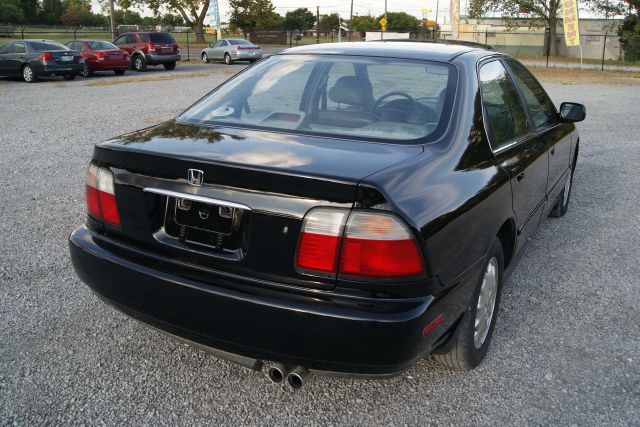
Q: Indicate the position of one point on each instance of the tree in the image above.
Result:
(299, 20)
(172, 20)
(270, 21)
(30, 9)
(71, 19)
(251, 14)
(400, 21)
(364, 23)
(329, 23)
(51, 11)
(629, 32)
(192, 11)
(10, 13)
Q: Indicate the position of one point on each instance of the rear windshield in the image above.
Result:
(99, 45)
(363, 97)
(240, 42)
(161, 38)
(45, 46)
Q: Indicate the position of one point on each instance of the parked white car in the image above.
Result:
(231, 50)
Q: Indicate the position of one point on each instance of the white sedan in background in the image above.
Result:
(231, 50)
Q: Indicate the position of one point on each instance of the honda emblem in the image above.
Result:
(195, 177)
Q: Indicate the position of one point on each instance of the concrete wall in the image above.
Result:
(530, 42)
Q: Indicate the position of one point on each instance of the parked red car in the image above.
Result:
(150, 48)
(100, 55)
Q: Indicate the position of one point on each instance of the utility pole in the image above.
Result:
(339, 29)
(437, 7)
(385, 11)
(113, 20)
(317, 24)
(351, 21)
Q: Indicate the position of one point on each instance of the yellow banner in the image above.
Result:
(570, 20)
(455, 18)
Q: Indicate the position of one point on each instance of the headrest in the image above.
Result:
(351, 90)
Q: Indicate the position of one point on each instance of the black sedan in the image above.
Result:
(32, 59)
(344, 209)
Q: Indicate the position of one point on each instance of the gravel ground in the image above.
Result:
(566, 349)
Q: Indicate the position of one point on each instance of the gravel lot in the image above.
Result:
(566, 349)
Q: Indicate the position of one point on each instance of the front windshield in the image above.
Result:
(362, 97)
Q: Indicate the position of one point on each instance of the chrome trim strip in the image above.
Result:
(196, 198)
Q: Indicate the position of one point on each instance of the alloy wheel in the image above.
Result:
(486, 303)
(205, 58)
(27, 73)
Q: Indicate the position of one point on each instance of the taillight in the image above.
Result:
(46, 57)
(367, 244)
(101, 196)
(378, 245)
(320, 241)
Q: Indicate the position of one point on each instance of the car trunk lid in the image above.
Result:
(254, 189)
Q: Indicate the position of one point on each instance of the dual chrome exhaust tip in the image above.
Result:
(295, 376)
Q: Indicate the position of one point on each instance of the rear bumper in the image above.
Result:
(51, 68)
(153, 58)
(245, 56)
(318, 330)
(122, 64)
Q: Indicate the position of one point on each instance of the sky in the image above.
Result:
(360, 7)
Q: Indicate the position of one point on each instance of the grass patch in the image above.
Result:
(575, 77)
(124, 80)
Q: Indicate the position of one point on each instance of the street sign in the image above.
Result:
(382, 22)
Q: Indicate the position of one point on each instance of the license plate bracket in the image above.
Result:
(203, 216)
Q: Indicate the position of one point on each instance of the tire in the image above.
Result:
(170, 66)
(29, 74)
(69, 76)
(119, 72)
(227, 59)
(205, 57)
(470, 343)
(562, 203)
(139, 63)
(86, 71)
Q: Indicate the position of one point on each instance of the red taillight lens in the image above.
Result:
(101, 196)
(320, 240)
(378, 245)
(46, 57)
(370, 245)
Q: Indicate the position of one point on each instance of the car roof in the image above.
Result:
(443, 52)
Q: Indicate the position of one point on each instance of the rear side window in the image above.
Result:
(130, 39)
(161, 38)
(6, 48)
(506, 113)
(19, 48)
(120, 40)
(543, 113)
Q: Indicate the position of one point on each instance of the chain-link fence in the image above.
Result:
(597, 51)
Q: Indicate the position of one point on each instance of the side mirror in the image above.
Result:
(572, 112)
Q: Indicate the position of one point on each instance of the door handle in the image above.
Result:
(553, 151)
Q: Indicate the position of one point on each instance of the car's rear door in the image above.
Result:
(554, 135)
(15, 59)
(516, 147)
(5, 50)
